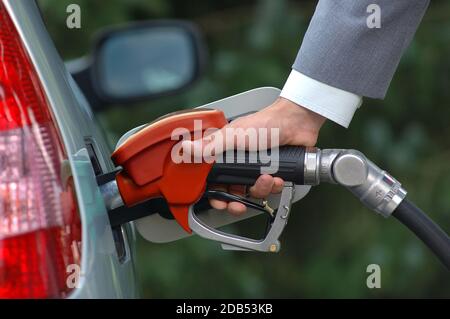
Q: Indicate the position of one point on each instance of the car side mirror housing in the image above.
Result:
(141, 61)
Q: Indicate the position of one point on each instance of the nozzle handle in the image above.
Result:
(244, 168)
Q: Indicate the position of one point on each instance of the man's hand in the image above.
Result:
(297, 126)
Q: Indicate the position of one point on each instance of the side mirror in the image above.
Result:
(141, 61)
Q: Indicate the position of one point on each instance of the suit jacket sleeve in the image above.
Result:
(339, 48)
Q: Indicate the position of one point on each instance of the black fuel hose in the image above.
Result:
(428, 231)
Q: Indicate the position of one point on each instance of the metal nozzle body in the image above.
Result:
(375, 188)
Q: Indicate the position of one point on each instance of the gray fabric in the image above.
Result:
(340, 50)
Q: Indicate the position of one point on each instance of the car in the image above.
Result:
(56, 240)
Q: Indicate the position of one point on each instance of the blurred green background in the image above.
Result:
(330, 238)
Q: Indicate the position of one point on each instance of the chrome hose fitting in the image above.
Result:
(374, 187)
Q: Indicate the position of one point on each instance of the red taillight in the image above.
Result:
(40, 229)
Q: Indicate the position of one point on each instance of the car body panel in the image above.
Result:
(103, 275)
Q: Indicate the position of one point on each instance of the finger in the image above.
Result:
(217, 141)
(241, 135)
(210, 145)
(215, 203)
(218, 204)
(236, 209)
(262, 187)
(278, 185)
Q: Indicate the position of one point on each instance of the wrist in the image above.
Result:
(298, 125)
(292, 109)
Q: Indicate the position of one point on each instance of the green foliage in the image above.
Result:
(330, 238)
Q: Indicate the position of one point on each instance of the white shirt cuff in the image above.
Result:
(335, 104)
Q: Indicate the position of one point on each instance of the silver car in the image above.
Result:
(56, 240)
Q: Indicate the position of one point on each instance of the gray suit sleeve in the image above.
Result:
(339, 48)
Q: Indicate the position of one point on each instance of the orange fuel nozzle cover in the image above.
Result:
(149, 170)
